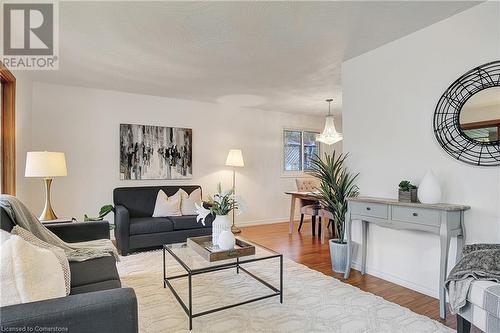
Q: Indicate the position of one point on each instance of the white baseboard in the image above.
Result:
(397, 280)
(259, 222)
(269, 221)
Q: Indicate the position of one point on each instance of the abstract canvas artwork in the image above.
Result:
(155, 152)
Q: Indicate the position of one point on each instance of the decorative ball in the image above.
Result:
(226, 240)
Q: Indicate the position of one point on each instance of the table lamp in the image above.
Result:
(234, 159)
(46, 165)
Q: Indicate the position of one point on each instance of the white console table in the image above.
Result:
(444, 220)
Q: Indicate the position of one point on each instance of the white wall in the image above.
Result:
(389, 97)
(84, 123)
(24, 87)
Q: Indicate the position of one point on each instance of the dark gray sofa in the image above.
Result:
(136, 229)
(96, 303)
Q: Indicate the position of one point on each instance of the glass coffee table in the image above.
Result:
(193, 264)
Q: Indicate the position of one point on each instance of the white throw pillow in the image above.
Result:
(188, 201)
(59, 253)
(4, 236)
(8, 289)
(28, 273)
(167, 206)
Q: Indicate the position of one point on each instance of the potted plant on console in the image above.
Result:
(407, 192)
(337, 184)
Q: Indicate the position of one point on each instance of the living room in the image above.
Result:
(153, 97)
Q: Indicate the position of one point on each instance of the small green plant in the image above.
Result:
(105, 210)
(406, 186)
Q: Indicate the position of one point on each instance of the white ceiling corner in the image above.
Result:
(279, 56)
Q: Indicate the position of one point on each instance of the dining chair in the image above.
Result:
(308, 207)
(313, 211)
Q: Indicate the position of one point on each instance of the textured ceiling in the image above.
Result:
(280, 56)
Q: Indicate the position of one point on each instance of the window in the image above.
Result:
(299, 149)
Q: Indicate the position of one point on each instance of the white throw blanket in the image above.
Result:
(74, 251)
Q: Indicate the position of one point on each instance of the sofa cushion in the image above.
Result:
(98, 286)
(93, 271)
(187, 222)
(150, 225)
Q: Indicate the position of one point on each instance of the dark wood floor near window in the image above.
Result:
(308, 250)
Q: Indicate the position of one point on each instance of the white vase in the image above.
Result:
(429, 191)
(220, 224)
(226, 240)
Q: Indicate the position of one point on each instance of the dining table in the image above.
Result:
(298, 195)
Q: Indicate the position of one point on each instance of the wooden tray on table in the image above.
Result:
(204, 247)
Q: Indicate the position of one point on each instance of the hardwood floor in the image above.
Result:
(305, 249)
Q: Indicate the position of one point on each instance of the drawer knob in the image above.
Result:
(368, 208)
(415, 214)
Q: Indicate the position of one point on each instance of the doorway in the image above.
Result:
(8, 132)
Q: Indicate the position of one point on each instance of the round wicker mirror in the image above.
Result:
(467, 117)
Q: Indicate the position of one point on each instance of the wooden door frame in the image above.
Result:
(8, 153)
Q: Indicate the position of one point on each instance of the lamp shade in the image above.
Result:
(235, 158)
(45, 164)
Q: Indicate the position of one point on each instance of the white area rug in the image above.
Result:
(313, 302)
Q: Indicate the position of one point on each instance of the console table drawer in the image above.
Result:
(416, 215)
(369, 209)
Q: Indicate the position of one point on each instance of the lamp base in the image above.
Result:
(235, 229)
(48, 212)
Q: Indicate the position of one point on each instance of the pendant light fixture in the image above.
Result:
(330, 134)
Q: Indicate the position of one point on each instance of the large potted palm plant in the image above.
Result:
(337, 184)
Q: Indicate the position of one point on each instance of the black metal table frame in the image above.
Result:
(192, 272)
